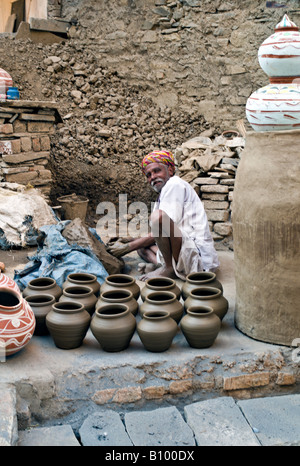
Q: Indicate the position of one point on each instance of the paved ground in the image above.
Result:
(237, 392)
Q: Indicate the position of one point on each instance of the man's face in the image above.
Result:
(157, 175)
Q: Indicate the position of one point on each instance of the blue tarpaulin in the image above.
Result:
(56, 258)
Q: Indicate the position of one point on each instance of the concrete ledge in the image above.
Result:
(57, 436)
(8, 417)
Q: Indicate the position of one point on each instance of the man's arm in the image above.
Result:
(119, 249)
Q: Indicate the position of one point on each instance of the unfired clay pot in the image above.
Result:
(157, 330)
(44, 285)
(41, 306)
(17, 322)
(81, 294)
(118, 296)
(197, 279)
(83, 278)
(121, 282)
(113, 327)
(162, 301)
(68, 323)
(160, 284)
(208, 296)
(200, 326)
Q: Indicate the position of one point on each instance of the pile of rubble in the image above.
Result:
(210, 165)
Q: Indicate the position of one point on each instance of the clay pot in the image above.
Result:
(160, 284)
(68, 323)
(43, 285)
(8, 282)
(5, 81)
(82, 278)
(120, 297)
(157, 330)
(197, 279)
(121, 282)
(17, 322)
(200, 326)
(41, 306)
(163, 301)
(81, 294)
(208, 296)
(113, 326)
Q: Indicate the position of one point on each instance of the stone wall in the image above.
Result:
(199, 54)
(25, 130)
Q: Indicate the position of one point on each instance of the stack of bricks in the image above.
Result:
(210, 167)
(25, 130)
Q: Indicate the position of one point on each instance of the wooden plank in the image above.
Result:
(50, 25)
(36, 9)
(18, 7)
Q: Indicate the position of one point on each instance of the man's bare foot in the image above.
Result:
(146, 268)
(159, 272)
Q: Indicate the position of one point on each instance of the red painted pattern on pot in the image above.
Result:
(5, 81)
(8, 282)
(17, 322)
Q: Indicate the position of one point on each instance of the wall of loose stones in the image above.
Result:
(196, 54)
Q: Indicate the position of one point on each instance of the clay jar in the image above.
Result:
(113, 326)
(43, 285)
(82, 278)
(163, 301)
(120, 297)
(160, 284)
(157, 330)
(200, 326)
(81, 294)
(208, 296)
(68, 323)
(41, 306)
(197, 279)
(121, 282)
(17, 322)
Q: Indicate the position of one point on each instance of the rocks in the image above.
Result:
(216, 161)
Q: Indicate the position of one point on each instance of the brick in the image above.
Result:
(223, 229)
(218, 205)
(19, 126)
(39, 127)
(128, 395)
(153, 392)
(25, 157)
(180, 386)
(239, 382)
(26, 144)
(214, 197)
(45, 143)
(285, 378)
(16, 146)
(214, 189)
(205, 180)
(103, 396)
(22, 178)
(217, 215)
(7, 128)
(36, 144)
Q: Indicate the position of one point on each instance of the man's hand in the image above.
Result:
(118, 248)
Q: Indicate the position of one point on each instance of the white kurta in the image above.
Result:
(181, 203)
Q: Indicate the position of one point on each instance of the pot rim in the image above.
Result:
(33, 299)
(216, 292)
(17, 296)
(156, 315)
(171, 297)
(210, 276)
(90, 277)
(111, 292)
(86, 291)
(50, 280)
(202, 311)
(65, 307)
(170, 282)
(123, 310)
(130, 280)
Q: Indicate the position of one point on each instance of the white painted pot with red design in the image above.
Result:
(5, 82)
